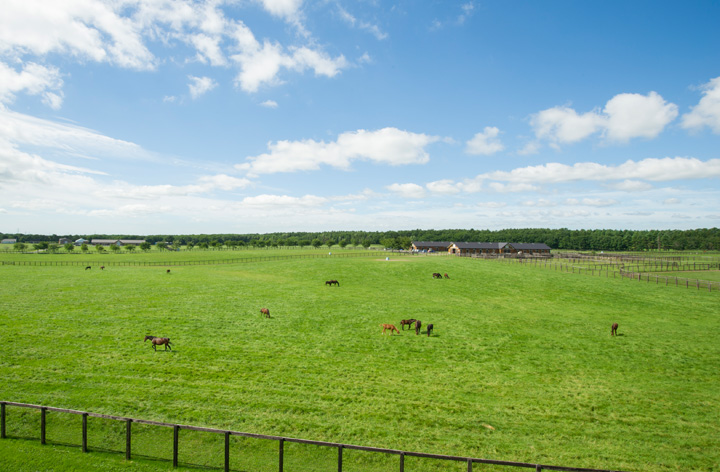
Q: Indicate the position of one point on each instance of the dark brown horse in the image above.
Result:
(390, 327)
(418, 325)
(332, 282)
(613, 329)
(429, 329)
(102, 267)
(88, 267)
(437, 275)
(409, 323)
(168, 271)
(159, 342)
(265, 312)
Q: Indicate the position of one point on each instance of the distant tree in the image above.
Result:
(303, 242)
(366, 243)
(84, 247)
(145, 247)
(389, 243)
(114, 248)
(316, 243)
(161, 245)
(130, 247)
(190, 245)
(53, 247)
(69, 247)
(343, 243)
(99, 248)
(330, 243)
(19, 246)
(177, 244)
(203, 245)
(41, 245)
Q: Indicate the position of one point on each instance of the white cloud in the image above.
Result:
(485, 143)
(282, 201)
(33, 79)
(707, 111)
(372, 28)
(269, 104)
(200, 85)
(625, 116)
(443, 187)
(630, 186)
(671, 201)
(407, 190)
(388, 146)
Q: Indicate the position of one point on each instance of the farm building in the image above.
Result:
(8, 241)
(477, 248)
(430, 246)
(530, 248)
(119, 242)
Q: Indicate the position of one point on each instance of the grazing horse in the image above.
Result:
(102, 267)
(265, 312)
(447, 276)
(418, 325)
(88, 267)
(159, 342)
(409, 323)
(613, 329)
(168, 271)
(437, 275)
(429, 329)
(332, 282)
(390, 327)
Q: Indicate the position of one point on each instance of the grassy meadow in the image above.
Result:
(521, 365)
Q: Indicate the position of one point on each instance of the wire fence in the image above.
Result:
(282, 451)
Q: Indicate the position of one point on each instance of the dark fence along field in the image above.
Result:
(6, 432)
(638, 271)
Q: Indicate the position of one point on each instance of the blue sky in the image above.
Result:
(253, 116)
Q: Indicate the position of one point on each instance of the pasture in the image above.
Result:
(521, 365)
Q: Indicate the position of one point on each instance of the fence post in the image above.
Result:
(469, 468)
(128, 438)
(281, 451)
(43, 412)
(84, 432)
(2, 420)
(340, 449)
(227, 451)
(402, 462)
(176, 441)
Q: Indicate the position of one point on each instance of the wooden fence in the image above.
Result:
(280, 439)
(609, 271)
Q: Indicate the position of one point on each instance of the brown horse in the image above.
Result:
(332, 282)
(168, 271)
(390, 327)
(437, 275)
(409, 323)
(265, 312)
(613, 329)
(429, 329)
(418, 325)
(158, 342)
(102, 267)
(447, 276)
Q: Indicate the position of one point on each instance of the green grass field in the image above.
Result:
(521, 366)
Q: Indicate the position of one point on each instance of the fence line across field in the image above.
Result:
(280, 439)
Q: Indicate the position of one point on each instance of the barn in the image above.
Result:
(476, 248)
(430, 246)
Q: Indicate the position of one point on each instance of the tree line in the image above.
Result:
(597, 240)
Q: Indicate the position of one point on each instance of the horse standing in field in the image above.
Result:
(447, 276)
(168, 271)
(158, 342)
(437, 275)
(418, 325)
(265, 312)
(613, 329)
(332, 282)
(409, 323)
(390, 327)
(102, 267)
(88, 267)
(429, 329)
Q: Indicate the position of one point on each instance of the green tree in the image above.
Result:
(69, 247)
(40, 246)
(99, 248)
(114, 248)
(316, 243)
(161, 245)
(130, 247)
(145, 246)
(84, 247)
(343, 243)
(330, 243)
(19, 246)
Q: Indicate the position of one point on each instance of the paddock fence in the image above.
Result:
(632, 273)
(282, 452)
(240, 260)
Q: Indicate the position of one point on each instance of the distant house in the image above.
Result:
(104, 242)
(63, 241)
(430, 246)
(8, 241)
(80, 242)
(119, 242)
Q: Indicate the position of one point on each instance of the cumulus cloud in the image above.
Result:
(624, 117)
(443, 187)
(269, 104)
(407, 190)
(33, 79)
(707, 111)
(200, 86)
(630, 186)
(485, 143)
(387, 146)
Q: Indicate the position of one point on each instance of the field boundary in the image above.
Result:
(280, 439)
(581, 266)
(239, 260)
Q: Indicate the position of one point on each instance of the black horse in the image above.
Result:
(332, 282)
(429, 329)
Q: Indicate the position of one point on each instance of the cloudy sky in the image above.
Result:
(252, 116)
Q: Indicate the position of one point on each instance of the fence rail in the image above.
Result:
(281, 441)
(580, 266)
